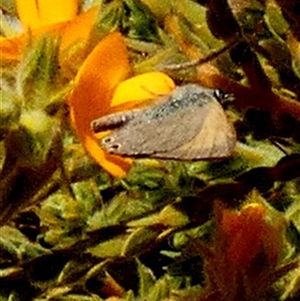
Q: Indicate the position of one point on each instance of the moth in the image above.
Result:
(188, 124)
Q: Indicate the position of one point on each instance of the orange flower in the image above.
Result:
(247, 234)
(100, 89)
(242, 263)
(53, 17)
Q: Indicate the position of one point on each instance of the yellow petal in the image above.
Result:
(105, 67)
(141, 88)
(39, 13)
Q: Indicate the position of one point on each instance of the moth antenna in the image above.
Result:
(201, 61)
(281, 144)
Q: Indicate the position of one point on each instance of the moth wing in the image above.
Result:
(147, 137)
(215, 139)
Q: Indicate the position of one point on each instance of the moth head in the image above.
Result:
(222, 97)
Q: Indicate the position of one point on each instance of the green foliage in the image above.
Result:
(71, 232)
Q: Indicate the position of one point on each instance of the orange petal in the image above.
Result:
(230, 222)
(106, 66)
(245, 241)
(39, 13)
(74, 41)
(76, 30)
(79, 28)
(115, 165)
(11, 48)
(272, 238)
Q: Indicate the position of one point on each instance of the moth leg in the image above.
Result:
(112, 121)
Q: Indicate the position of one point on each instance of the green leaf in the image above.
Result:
(146, 280)
(139, 240)
(160, 290)
(139, 21)
(15, 247)
(109, 249)
(38, 71)
(275, 21)
(33, 139)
